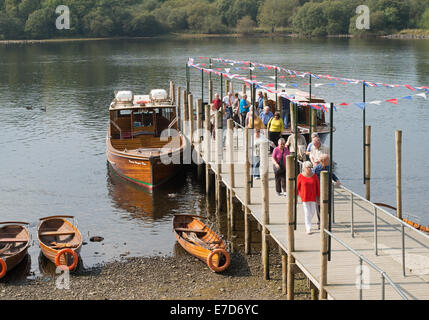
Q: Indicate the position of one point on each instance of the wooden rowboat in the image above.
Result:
(14, 243)
(200, 241)
(59, 239)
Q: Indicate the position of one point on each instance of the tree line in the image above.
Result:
(35, 19)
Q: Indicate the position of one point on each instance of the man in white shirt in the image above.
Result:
(317, 150)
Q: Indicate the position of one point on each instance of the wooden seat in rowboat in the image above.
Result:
(191, 230)
(9, 240)
(57, 233)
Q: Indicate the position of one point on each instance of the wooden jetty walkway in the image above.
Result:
(373, 254)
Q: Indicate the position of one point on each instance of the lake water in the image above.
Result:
(54, 162)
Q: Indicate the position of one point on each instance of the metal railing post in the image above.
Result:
(352, 213)
(360, 279)
(375, 232)
(403, 250)
(383, 291)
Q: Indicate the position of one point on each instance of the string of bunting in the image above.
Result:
(270, 87)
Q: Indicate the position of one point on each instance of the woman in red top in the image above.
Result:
(308, 188)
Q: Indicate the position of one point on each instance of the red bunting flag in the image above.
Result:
(344, 104)
(394, 101)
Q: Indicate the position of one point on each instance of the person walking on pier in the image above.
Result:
(317, 150)
(260, 102)
(275, 128)
(313, 135)
(217, 103)
(266, 115)
(285, 110)
(308, 187)
(236, 109)
(228, 102)
(279, 160)
(302, 144)
(244, 109)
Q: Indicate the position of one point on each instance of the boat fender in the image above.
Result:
(218, 252)
(3, 268)
(64, 251)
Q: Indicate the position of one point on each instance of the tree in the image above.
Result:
(245, 25)
(10, 27)
(145, 24)
(277, 13)
(41, 24)
(424, 20)
(98, 24)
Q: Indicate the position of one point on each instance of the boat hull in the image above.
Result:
(148, 172)
(211, 240)
(60, 225)
(19, 251)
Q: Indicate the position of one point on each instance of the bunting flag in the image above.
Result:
(319, 106)
(316, 76)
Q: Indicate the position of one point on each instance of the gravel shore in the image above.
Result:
(161, 278)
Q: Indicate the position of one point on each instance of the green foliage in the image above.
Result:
(245, 25)
(105, 18)
(41, 24)
(424, 20)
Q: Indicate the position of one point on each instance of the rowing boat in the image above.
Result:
(200, 241)
(59, 239)
(14, 243)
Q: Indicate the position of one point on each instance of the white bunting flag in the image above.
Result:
(377, 102)
(227, 70)
(422, 95)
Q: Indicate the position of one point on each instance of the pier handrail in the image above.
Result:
(385, 212)
(383, 274)
(402, 224)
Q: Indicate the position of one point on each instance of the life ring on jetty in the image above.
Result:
(3, 268)
(218, 252)
(64, 251)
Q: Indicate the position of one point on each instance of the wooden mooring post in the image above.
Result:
(247, 230)
(324, 212)
(185, 113)
(207, 145)
(230, 136)
(218, 163)
(265, 207)
(198, 139)
(172, 92)
(179, 110)
(191, 117)
(398, 140)
(290, 222)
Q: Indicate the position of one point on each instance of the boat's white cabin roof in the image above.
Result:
(140, 102)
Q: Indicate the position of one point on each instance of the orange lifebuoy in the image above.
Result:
(3, 268)
(64, 251)
(218, 252)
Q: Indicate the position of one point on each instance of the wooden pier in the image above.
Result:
(373, 254)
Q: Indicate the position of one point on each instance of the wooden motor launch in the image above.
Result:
(200, 241)
(60, 241)
(140, 145)
(14, 243)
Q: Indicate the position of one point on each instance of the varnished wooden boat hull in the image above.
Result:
(59, 224)
(148, 172)
(210, 238)
(19, 251)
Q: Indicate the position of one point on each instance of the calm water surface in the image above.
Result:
(54, 162)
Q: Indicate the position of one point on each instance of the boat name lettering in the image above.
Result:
(135, 162)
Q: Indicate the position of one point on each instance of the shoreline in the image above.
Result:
(162, 278)
(400, 35)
